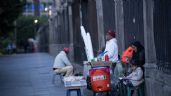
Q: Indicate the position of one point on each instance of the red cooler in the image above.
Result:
(100, 79)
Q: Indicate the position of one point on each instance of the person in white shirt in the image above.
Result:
(62, 63)
(111, 48)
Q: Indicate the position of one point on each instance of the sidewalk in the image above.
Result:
(31, 75)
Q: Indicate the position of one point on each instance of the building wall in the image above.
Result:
(37, 7)
(108, 15)
(156, 31)
(78, 45)
(84, 13)
(59, 33)
(162, 21)
(100, 23)
(89, 21)
(133, 21)
(119, 22)
(147, 21)
(151, 27)
(43, 38)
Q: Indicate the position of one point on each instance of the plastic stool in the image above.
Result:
(138, 89)
(69, 92)
(101, 93)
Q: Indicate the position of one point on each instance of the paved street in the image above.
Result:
(29, 75)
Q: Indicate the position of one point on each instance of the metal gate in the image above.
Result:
(133, 21)
(162, 34)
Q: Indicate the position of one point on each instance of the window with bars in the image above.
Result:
(162, 34)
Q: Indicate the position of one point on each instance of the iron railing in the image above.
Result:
(162, 34)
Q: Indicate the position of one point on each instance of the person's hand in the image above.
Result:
(124, 78)
(121, 78)
(99, 52)
(128, 59)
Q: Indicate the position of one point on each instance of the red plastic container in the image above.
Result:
(106, 58)
(100, 79)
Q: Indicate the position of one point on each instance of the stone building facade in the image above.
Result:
(144, 20)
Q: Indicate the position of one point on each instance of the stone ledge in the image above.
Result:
(158, 83)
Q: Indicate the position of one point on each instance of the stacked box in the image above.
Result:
(75, 81)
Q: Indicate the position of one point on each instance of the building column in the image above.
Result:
(119, 19)
(150, 54)
(149, 32)
(99, 8)
(53, 24)
(50, 31)
(71, 33)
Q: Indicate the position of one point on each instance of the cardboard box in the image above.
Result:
(75, 81)
(101, 64)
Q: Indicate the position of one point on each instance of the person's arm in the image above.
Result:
(56, 62)
(101, 50)
(66, 60)
(129, 76)
(138, 76)
(110, 48)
